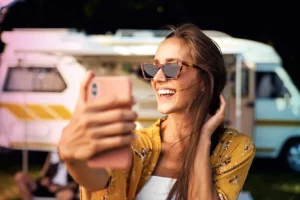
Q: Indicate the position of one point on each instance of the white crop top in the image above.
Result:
(156, 188)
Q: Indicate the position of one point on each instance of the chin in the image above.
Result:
(166, 109)
(163, 109)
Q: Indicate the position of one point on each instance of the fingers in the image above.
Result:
(112, 142)
(110, 103)
(222, 104)
(112, 129)
(220, 114)
(84, 86)
(110, 116)
(210, 125)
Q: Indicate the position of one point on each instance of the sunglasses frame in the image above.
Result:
(161, 66)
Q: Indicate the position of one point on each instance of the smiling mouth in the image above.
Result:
(166, 92)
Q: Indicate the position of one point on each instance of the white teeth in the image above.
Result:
(166, 92)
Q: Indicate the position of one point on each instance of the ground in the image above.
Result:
(267, 180)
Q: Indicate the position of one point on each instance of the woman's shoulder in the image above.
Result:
(234, 142)
(234, 135)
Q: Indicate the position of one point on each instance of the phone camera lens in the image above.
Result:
(94, 89)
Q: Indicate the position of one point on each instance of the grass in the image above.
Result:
(10, 164)
(284, 186)
(267, 180)
(8, 190)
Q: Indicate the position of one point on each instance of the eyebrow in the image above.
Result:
(167, 60)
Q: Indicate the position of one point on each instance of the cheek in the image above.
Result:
(188, 92)
(188, 85)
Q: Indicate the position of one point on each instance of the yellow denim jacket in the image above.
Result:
(230, 163)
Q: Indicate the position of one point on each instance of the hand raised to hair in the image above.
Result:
(214, 121)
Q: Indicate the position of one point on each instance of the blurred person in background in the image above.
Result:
(188, 154)
(53, 181)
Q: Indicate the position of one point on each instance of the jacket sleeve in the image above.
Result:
(231, 169)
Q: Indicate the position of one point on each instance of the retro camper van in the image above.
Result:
(40, 78)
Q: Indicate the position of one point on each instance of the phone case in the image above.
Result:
(105, 87)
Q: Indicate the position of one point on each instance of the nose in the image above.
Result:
(159, 76)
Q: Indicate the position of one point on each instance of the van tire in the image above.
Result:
(291, 155)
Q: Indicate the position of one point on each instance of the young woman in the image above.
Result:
(186, 155)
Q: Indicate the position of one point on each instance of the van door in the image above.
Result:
(239, 94)
(276, 119)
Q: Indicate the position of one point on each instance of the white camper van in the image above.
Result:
(39, 82)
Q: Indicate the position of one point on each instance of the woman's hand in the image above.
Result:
(96, 126)
(214, 121)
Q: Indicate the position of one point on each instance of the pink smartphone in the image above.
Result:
(105, 87)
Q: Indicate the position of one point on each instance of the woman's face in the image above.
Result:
(173, 96)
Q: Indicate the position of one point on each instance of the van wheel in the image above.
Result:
(292, 155)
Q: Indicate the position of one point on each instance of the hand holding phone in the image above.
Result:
(110, 87)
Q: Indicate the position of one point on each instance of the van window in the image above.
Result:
(245, 83)
(34, 79)
(269, 85)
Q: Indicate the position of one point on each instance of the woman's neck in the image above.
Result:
(176, 128)
(174, 136)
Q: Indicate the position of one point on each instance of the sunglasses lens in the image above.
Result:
(171, 70)
(150, 70)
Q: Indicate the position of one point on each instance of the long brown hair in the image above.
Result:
(206, 54)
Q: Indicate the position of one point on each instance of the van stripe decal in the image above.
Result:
(40, 111)
(62, 111)
(51, 112)
(30, 112)
(265, 150)
(17, 110)
(277, 123)
(37, 111)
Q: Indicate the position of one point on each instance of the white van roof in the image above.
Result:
(126, 42)
(252, 51)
